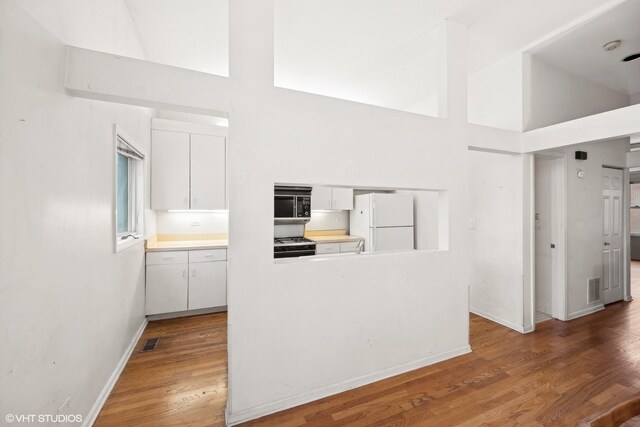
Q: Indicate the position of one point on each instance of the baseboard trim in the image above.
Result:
(290, 402)
(508, 324)
(111, 382)
(165, 316)
(585, 312)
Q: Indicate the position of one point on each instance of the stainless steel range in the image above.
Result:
(292, 210)
(289, 247)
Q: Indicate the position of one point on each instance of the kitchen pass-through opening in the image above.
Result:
(312, 220)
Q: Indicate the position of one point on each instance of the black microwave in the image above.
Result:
(292, 203)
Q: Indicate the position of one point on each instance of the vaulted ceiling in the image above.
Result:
(377, 51)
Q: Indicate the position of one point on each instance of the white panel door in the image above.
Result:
(320, 198)
(391, 239)
(341, 198)
(612, 214)
(392, 210)
(544, 233)
(208, 172)
(166, 288)
(169, 170)
(207, 284)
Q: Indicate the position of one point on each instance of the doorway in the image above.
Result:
(634, 233)
(550, 236)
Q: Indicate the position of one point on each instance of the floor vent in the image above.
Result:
(594, 289)
(150, 345)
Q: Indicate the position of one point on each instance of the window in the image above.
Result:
(129, 192)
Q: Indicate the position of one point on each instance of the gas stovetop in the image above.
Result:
(292, 241)
(289, 247)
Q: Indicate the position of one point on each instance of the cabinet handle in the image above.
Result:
(193, 273)
(184, 274)
(167, 257)
(209, 256)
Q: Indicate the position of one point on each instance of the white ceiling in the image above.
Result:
(580, 51)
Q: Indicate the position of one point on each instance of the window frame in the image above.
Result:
(136, 170)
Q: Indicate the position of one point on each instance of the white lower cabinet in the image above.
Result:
(167, 288)
(186, 280)
(336, 248)
(207, 284)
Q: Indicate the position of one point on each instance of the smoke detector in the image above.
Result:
(612, 45)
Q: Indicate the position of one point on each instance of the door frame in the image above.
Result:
(559, 235)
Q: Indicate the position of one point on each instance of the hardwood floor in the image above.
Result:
(183, 382)
(555, 376)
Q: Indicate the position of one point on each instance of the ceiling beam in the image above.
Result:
(107, 77)
(598, 127)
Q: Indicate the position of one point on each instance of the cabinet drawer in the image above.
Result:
(327, 248)
(206, 255)
(172, 257)
(349, 246)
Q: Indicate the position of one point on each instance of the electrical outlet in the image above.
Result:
(64, 408)
(195, 223)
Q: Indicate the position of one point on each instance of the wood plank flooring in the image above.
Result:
(183, 382)
(553, 377)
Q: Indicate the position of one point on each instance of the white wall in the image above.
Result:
(634, 99)
(584, 217)
(496, 94)
(322, 327)
(496, 204)
(69, 305)
(555, 96)
(192, 222)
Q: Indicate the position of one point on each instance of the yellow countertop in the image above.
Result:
(331, 236)
(171, 242)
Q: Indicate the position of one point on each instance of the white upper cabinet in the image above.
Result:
(169, 170)
(208, 172)
(342, 198)
(320, 198)
(188, 171)
(331, 198)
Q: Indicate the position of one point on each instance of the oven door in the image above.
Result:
(284, 207)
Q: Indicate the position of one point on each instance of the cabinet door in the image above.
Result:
(167, 288)
(327, 248)
(207, 284)
(169, 170)
(208, 172)
(342, 198)
(320, 198)
(348, 247)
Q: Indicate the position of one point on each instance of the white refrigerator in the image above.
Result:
(384, 220)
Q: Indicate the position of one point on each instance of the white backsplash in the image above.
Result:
(338, 220)
(218, 222)
(191, 222)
